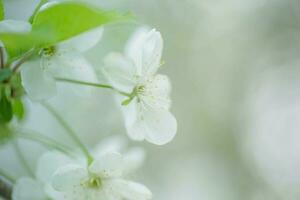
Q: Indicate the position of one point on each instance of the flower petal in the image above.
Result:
(130, 113)
(133, 48)
(38, 84)
(108, 165)
(145, 49)
(157, 126)
(69, 177)
(161, 126)
(157, 92)
(84, 41)
(133, 159)
(115, 143)
(48, 163)
(131, 190)
(28, 189)
(120, 72)
(72, 65)
(14, 26)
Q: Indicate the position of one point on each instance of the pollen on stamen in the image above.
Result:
(48, 51)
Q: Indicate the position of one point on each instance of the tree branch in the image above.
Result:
(5, 189)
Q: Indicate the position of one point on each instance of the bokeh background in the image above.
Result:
(235, 72)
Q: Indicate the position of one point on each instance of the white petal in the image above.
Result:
(84, 41)
(133, 159)
(38, 84)
(49, 4)
(52, 193)
(134, 46)
(48, 163)
(145, 49)
(71, 65)
(69, 177)
(28, 189)
(120, 72)
(108, 165)
(14, 26)
(157, 92)
(99, 195)
(111, 144)
(131, 190)
(158, 126)
(152, 52)
(161, 126)
(130, 113)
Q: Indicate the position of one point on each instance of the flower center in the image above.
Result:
(48, 51)
(140, 89)
(94, 182)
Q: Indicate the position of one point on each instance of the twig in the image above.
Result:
(69, 131)
(1, 57)
(5, 189)
(23, 59)
(91, 84)
(22, 159)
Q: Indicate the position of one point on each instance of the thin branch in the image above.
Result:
(22, 158)
(44, 140)
(5, 189)
(7, 176)
(91, 84)
(69, 131)
(23, 60)
(1, 57)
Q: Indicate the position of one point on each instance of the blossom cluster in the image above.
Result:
(142, 94)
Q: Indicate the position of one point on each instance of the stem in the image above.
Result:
(42, 2)
(70, 131)
(1, 58)
(22, 158)
(23, 59)
(91, 84)
(47, 141)
(5, 189)
(7, 176)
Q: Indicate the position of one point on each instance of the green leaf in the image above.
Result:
(18, 109)
(68, 19)
(5, 133)
(17, 44)
(6, 111)
(1, 10)
(5, 74)
(58, 22)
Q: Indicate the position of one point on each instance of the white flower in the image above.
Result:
(14, 26)
(101, 180)
(147, 114)
(39, 188)
(133, 157)
(61, 60)
(28, 189)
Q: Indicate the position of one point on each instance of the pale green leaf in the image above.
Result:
(17, 44)
(18, 109)
(56, 23)
(68, 19)
(6, 112)
(1, 10)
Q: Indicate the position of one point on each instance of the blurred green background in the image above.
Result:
(234, 67)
